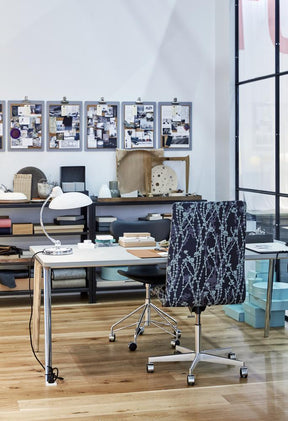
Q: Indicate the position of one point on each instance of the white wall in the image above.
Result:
(119, 49)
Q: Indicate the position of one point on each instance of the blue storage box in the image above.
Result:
(262, 266)
(235, 311)
(276, 305)
(280, 290)
(110, 273)
(251, 282)
(255, 316)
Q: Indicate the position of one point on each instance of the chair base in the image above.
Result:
(198, 356)
(165, 322)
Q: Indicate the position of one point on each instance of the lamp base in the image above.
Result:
(58, 251)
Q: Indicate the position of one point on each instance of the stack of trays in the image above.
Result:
(255, 305)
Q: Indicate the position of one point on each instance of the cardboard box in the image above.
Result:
(22, 229)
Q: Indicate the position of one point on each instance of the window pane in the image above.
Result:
(260, 212)
(283, 35)
(256, 38)
(257, 135)
(283, 134)
(284, 219)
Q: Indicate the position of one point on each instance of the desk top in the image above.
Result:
(98, 256)
(117, 256)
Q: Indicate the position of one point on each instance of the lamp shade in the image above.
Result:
(70, 200)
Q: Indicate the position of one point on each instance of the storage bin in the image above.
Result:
(235, 311)
(255, 316)
(111, 273)
(280, 290)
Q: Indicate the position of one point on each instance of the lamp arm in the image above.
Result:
(56, 242)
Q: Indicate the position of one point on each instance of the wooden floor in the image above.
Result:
(105, 381)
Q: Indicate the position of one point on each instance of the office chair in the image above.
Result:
(148, 275)
(205, 267)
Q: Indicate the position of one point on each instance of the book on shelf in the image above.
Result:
(105, 218)
(66, 222)
(59, 228)
(5, 231)
(69, 218)
(5, 222)
(20, 229)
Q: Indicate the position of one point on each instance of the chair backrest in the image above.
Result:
(159, 229)
(206, 254)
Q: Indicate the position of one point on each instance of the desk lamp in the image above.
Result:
(60, 200)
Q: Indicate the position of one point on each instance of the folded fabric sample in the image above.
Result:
(68, 273)
(69, 283)
(7, 279)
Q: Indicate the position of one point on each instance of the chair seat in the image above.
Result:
(150, 274)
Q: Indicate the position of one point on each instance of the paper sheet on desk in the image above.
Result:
(275, 247)
(148, 253)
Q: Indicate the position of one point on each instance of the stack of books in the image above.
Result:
(151, 217)
(103, 222)
(5, 225)
(68, 219)
(137, 239)
(51, 228)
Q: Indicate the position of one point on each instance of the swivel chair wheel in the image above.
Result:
(232, 356)
(132, 346)
(174, 343)
(190, 379)
(112, 338)
(244, 372)
(150, 368)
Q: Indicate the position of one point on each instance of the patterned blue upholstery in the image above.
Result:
(206, 254)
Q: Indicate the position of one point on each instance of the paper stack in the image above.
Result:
(137, 239)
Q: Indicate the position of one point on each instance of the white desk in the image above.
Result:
(105, 256)
(97, 257)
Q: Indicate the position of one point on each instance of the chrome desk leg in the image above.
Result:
(47, 325)
(269, 297)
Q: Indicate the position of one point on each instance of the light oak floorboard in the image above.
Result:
(105, 381)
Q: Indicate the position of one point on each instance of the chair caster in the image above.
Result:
(174, 343)
(178, 334)
(190, 380)
(244, 372)
(132, 346)
(112, 337)
(150, 368)
(232, 356)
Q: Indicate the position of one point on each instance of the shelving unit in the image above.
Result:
(136, 206)
(14, 264)
(142, 204)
